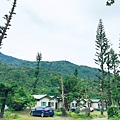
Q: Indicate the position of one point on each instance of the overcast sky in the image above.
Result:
(59, 29)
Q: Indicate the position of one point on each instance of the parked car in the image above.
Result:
(83, 108)
(42, 111)
(73, 109)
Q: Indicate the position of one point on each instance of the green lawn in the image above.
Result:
(24, 115)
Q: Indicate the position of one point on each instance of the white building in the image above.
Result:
(56, 102)
(45, 100)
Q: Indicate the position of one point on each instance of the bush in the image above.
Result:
(116, 117)
(15, 116)
(112, 111)
(10, 115)
(57, 113)
(79, 115)
(20, 100)
(77, 111)
(63, 110)
(71, 114)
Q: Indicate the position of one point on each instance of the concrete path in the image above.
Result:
(99, 119)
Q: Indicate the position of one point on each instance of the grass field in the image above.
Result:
(24, 115)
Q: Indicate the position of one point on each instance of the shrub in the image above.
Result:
(7, 114)
(57, 113)
(71, 114)
(112, 111)
(63, 110)
(84, 116)
(15, 116)
(77, 111)
(20, 100)
(10, 115)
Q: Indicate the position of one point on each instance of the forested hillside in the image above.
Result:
(63, 67)
(13, 70)
(24, 77)
(49, 81)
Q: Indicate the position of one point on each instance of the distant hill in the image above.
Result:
(64, 67)
(22, 73)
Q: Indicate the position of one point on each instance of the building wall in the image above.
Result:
(60, 103)
(49, 102)
(94, 105)
(73, 103)
(55, 101)
(55, 104)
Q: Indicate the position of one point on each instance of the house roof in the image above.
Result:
(92, 100)
(39, 96)
(52, 96)
(95, 100)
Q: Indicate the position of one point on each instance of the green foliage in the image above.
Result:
(77, 111)
(6, 90)
(37, 70)
(49, 80)
(20, 100)
(78, 115)
(70, 89)
(76, 73)
(112, 111)
(63, 67)
(57, 113)
(9, 115)
(84, 116)
(115, 118)
(63, 110)
(102, 47)
(71, 114)
(49, 77)
(24, 77)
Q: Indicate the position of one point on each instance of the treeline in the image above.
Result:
(49, 81)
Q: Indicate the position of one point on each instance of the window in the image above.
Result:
(72, 104)
(43, 103)
(52, 104)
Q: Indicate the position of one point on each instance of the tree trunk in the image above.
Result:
(102, 110)
(2, 108)
(102, 87)
(109, 90)
(88, 109)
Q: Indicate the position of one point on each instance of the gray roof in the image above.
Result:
(39, 96)
(95, 100)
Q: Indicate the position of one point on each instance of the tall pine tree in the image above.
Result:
(102, 46)
(115, 66)
(37, 70)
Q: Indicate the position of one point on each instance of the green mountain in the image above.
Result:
(64, 67)
(22, 73)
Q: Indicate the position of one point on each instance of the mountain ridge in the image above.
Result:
(63, 66)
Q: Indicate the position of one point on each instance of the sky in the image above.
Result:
(59, 29)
